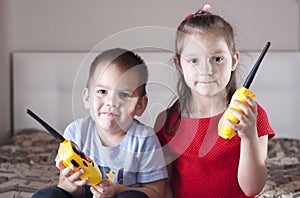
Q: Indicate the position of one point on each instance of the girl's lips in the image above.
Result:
(206, 82)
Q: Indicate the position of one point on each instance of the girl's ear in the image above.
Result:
(235, 60)
(177, 63)
(141, 105)
(86, 98)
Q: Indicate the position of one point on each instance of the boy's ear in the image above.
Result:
(86, 98)
(141, 106)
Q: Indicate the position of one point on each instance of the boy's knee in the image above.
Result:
(132, 194)
(52, 191)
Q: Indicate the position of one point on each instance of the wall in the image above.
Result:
(77, 25)
(4, 74)
(74, 25)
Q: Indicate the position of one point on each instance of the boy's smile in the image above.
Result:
(113, 99)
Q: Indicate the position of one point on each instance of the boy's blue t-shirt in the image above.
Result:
(137, 159)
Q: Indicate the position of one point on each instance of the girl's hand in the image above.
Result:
(106, 189)
(70, 176)
(246, 128)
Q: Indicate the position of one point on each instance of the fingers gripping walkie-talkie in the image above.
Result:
(224, 130)
(70, 154)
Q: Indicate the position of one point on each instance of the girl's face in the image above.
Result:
(112, 98)
(206, 64)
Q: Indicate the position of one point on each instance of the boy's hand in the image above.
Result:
(106, 189)
(71, 176)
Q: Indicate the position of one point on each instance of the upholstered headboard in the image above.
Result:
(50, 83)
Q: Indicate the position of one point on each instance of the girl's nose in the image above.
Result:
(205, 67)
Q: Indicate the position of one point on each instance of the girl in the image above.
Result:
(202, 164)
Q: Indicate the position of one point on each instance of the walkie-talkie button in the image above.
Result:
(88, 158)
(85, 164)
(74, 163)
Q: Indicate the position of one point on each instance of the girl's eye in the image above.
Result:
(193, 61)
(124, 95)
(216, 59)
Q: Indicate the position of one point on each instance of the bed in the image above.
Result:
(27, 164)
(27, 160)
(283, 169)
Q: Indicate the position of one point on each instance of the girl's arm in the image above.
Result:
(252, 170)
(169, 192)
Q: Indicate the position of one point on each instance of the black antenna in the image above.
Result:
(52, 131)
(252, 73)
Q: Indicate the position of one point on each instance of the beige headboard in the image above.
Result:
(50, 83)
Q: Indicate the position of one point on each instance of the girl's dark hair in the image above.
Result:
(125, 60)
(202, 24)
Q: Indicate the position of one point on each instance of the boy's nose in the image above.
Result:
(111, 100)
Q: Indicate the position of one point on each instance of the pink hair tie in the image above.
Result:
(205, 8)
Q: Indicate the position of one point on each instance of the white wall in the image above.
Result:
(78, 25)
(75, 25)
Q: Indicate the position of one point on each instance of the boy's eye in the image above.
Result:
(101, 91)
(216, 59)
(124, 95)
(193, 61)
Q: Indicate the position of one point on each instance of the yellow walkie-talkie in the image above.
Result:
(70, 154)
(224, 130)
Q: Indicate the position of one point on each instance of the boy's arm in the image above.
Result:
(154, 189)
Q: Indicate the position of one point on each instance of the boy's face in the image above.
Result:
(112, 98)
